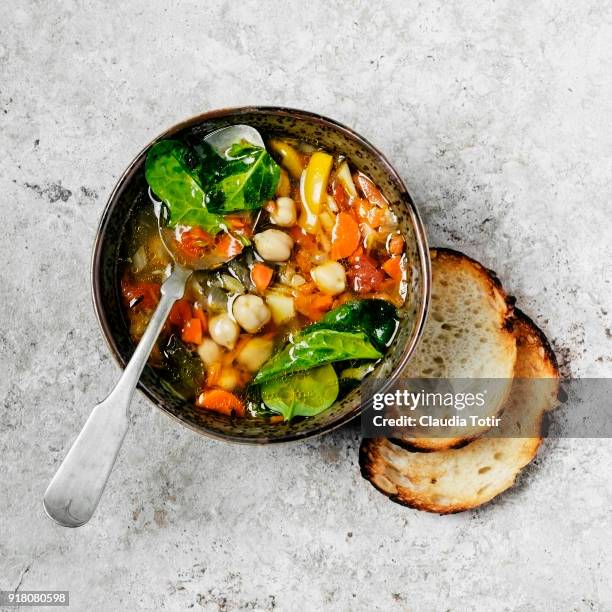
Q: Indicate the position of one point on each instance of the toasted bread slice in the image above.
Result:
(459, 479)
(467, 336)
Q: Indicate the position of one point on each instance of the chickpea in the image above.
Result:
(209, 352)
(251, 312)
(273, 245)
(329, 277)
(224, 330)
(283, 212)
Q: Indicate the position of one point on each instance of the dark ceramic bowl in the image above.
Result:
(131, 193)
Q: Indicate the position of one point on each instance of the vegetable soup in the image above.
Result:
(307, 303)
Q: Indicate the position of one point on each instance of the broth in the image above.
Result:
(306, 306)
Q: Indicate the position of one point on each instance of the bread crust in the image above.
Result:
(411, 478)
(499, 301)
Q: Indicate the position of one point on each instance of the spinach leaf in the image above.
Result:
(353, 372)
(302, 393)
(244, 181)
(174, 176)
(317, 348)
(378, 319)
(184, 370)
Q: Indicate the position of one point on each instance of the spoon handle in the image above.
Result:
(75, 490)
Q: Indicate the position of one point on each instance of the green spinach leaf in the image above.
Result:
(245, 179)
(183, 368)
(174, 176)
(376, 318)
(302, 393)
(317, 348)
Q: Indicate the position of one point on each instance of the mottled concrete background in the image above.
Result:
(497, 114)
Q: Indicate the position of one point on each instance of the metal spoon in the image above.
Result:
(74, 492)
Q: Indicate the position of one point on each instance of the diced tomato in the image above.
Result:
(180, 313)
(194, 242)
(303, 239)
(143, 295)
(364, 274)
(362, 208)
(302, 258)
(376, 216)
(228, 246)
(340, 196)
(370, 191)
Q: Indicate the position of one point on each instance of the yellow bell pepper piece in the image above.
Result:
(315, 182)
(313, 190)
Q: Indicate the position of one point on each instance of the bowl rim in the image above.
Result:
(420, 236)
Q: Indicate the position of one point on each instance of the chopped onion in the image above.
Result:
(343, 174)
(139, 260)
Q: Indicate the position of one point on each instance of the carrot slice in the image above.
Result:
(393, 267)
(313, 306)
(322, 302)
(221, 401)
(345, 236)
(261, 275)
(198, 313)
(180, 312)
(192, 331)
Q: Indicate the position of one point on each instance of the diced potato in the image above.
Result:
(229, 378)
(281, 305)
(139, 260)
(255, 353)
(209, 351)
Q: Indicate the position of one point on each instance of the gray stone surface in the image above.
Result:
(497, 114)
